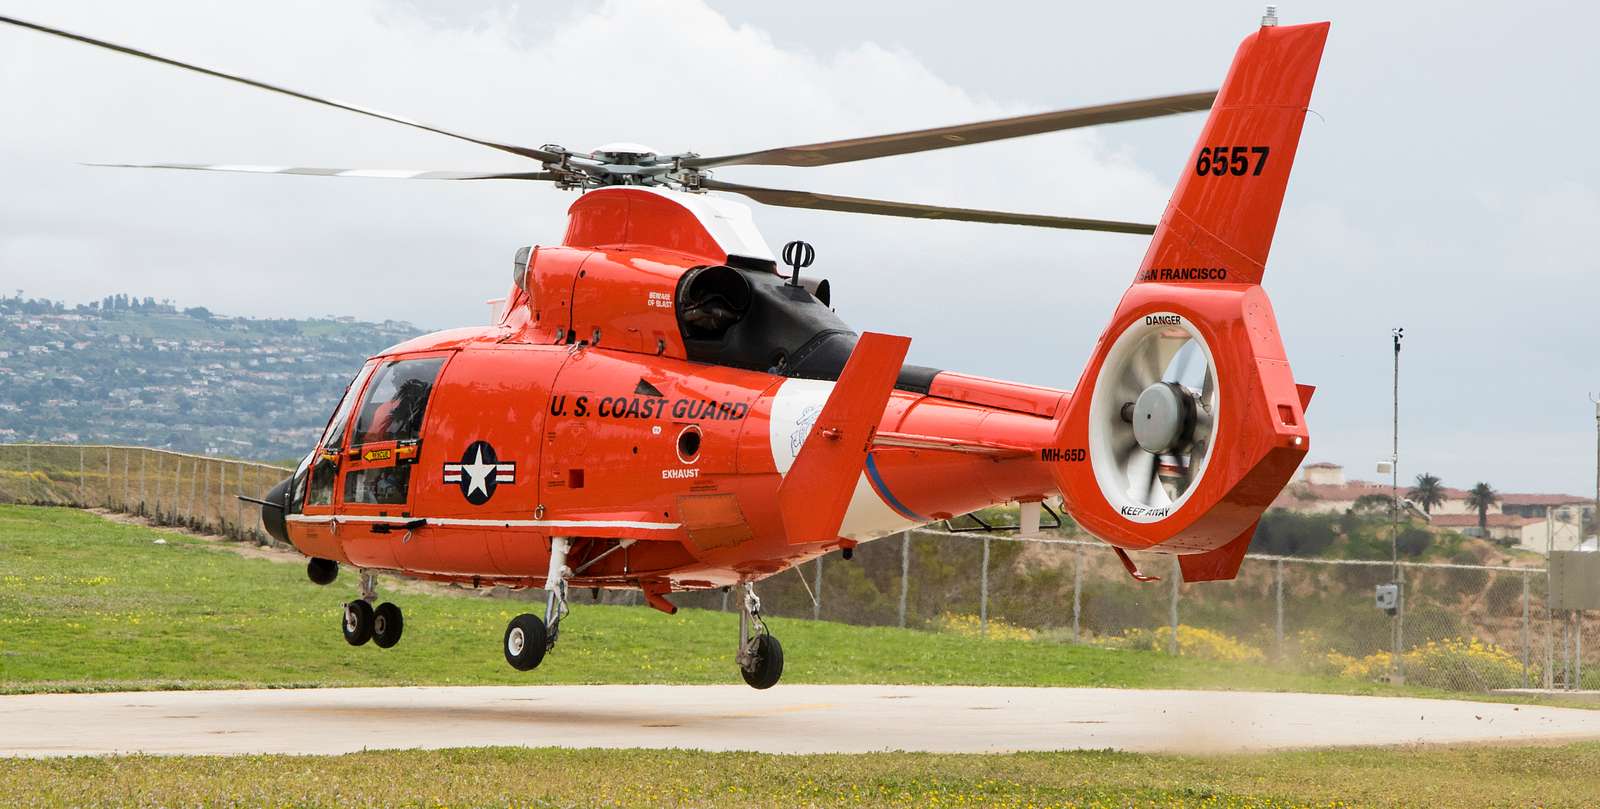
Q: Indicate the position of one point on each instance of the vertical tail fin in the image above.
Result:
(815, 493)
(1225, 208)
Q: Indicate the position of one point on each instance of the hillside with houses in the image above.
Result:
(130, 370)
(1514, 520)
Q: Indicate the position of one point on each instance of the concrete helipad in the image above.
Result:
(786, 719)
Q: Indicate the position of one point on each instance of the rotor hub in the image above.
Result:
(1161, 416)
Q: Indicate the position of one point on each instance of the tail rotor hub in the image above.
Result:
(1162, 417)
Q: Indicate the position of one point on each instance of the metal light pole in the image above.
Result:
(1394, 464)
(1398, 630)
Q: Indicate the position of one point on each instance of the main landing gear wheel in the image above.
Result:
(358, 619)
(765, 665)
(387, 624)
(529, 637)
(760, 656)
(525, 642)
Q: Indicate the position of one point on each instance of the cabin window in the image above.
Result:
(388, 486)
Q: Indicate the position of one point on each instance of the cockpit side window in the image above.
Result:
(396, 400)
(390, 422)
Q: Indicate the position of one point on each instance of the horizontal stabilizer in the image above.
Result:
(817, 489)
(1221, 564)
(1306, 392)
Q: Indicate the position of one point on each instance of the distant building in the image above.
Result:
(1528, 521)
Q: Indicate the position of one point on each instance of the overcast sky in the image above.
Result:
(1448, 183)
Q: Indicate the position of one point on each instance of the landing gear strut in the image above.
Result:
(528, 637)
(760, 656)
(362, 622)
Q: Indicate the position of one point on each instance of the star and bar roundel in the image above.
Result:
(480, 472)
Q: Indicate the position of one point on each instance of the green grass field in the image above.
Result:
(499, 777)
(91, 604)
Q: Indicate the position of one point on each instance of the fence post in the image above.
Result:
(1526, 596)
(80, 477)
(108, 477)
(983, 591)
(905, 574)
(127, 491)
(204, 493)
(1077, 590)
(238, 505)
(222, 492)
(144, 480)
(222, 498)
(1549, 633)
(816, 606)
(1278, 585)
(177, 474)
(1172, 617)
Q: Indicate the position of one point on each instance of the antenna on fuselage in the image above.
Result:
(798, 255)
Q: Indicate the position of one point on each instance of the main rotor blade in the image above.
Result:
(922, 140)
(397, 174)
(834, 202)
(536, 154)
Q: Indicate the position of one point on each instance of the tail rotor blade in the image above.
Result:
(1141, 468)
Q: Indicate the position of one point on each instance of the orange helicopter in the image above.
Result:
(657, 407)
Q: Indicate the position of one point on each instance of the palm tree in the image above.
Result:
(1428, 492)
(1481, 497)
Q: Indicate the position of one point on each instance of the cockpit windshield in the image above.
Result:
(333, 434)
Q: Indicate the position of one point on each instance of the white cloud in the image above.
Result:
(671, 73)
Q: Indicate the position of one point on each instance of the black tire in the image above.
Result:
(322, 571)
(524, 643)
(357, 622)
(765, 670)
(387, 624)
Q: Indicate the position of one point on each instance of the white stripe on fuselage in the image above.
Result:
(795, 407)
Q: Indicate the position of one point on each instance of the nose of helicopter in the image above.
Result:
(275, 509)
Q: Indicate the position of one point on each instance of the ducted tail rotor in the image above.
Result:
(1153, 429)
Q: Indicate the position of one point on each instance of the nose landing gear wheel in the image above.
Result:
(387, 624)
(358, 622)
(766, 663)
(525, 642)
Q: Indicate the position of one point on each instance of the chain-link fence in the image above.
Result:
(169, 488)
(1457, 627)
